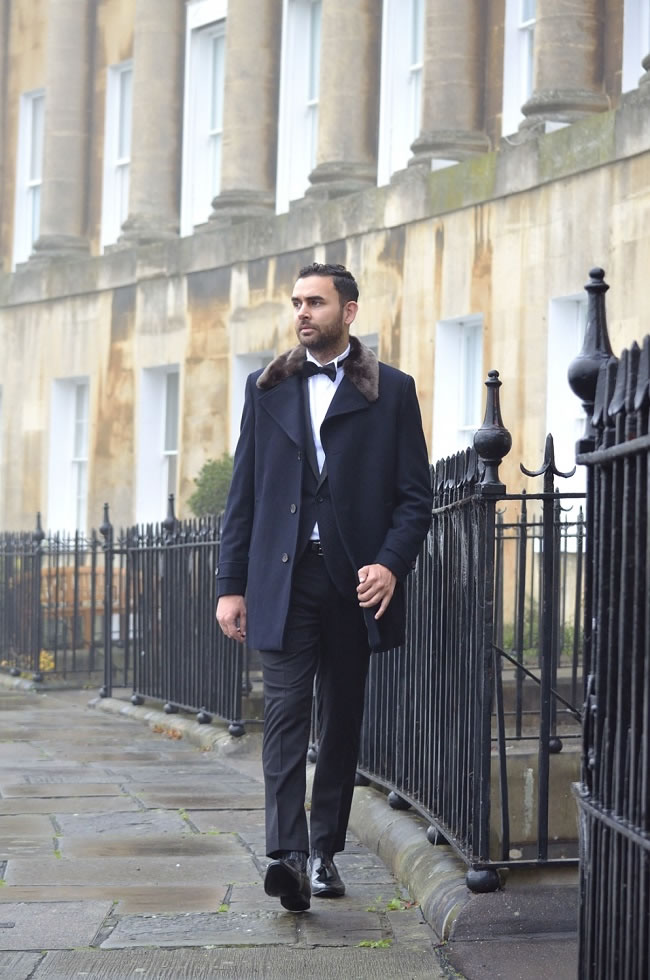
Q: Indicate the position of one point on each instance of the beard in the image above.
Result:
(325, 337)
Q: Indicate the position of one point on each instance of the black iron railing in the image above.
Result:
(614, 792)
(468, 721)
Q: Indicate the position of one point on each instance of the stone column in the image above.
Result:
(567, 63)
(250, 111)
(348, 109)
(4, 44)
(65, 139)
(158, 44)
(452, 83)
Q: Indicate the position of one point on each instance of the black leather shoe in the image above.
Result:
(287, 879)
(325, 878)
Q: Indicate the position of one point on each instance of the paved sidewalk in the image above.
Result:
(130, 853)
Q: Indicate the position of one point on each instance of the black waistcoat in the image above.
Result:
(317, 507)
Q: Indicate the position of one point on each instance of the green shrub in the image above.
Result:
(212, 485)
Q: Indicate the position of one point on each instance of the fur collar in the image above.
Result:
(361, 367)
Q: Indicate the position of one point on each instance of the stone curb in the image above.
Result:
(18, 683)
(434, 875)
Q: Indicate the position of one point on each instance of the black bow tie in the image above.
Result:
(309, 369)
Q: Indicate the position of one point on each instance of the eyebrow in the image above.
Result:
(307, 298)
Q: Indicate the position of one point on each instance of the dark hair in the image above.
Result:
(344, 281)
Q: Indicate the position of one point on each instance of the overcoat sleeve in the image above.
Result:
(411, 516)
(232, 572)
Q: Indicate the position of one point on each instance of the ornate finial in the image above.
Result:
(596, 348)
(38, 533)
(169, 523)
(548, 468)
(492, 441)
(106, 528)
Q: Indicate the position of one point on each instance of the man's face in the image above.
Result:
(322, 324)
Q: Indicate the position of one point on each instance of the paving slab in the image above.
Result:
(241, 964)
(184, 845)
(142, 871)
(330, 923)
(57, 790)
(140, 823)
(238, 821)
(27, 825)
(79, 804)
(202, 801)
(200, 929)
(18, 966)
(45, 925)
(129, 899)
(15, 753)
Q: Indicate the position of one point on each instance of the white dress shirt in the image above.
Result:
(321, 392)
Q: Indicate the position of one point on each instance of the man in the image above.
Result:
(329, 504)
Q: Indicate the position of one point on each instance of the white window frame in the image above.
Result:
(157, 469)
(456, 396)
(29, 173)
(636, 41)
(204, 96)
(67, 505)
(567, 319)
(117, 151)
(518, 54)
(402, 57)
(299, 99)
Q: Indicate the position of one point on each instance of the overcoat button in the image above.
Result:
(299, 454)
(285, 557)
(319, 500)
(293, 509)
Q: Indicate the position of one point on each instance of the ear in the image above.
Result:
(350, 312)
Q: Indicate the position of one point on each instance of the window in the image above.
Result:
(636, 41)
(565, 418)
(519, 44)
(299, 94)
(67, 508)
(157, 468)
(29, 174)
(117, 151)
(402, 55)
(242, 366)
(203, 125)
(458, 384)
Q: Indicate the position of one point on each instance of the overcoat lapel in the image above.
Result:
(284, 404)
(347, 398)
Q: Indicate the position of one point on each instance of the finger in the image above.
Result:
(383, 607)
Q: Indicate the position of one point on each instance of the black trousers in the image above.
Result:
(326, 638)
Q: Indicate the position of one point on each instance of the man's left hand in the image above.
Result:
(376, 587)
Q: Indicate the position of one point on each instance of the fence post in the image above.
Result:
(106, 530)
(492, 442)
(37, 560)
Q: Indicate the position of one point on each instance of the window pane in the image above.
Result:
(527, 10)
(80, 485)
(417, 32)
(122, 174)
(80, 447)
(470, 365)
(172, 465)
(314, 51)
(124, 121)
(36, 142)
(171, 412)
(216, 90)
(34, 205)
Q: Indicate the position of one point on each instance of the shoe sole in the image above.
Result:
(280, 883)
(327, 892)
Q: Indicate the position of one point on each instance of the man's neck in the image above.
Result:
(325, 357)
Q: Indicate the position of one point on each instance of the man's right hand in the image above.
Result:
(231, 616)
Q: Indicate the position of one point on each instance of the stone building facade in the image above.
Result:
(166, 167)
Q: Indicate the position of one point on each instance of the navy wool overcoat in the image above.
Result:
(379, 481)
